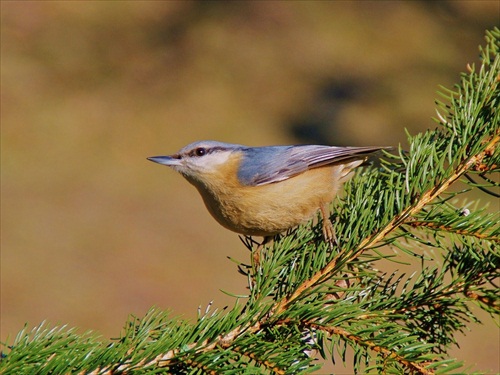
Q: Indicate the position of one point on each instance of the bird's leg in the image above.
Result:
(328, 230)
(257, 252)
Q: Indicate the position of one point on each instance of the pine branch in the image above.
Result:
(445, 228)
(402, 218)
(386, 353)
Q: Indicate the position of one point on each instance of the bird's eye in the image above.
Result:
(200, 151)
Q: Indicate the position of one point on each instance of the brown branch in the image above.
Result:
(413, 366)
(360, 341)
(491, 302)
(462, 287)
(447, 228)
(271, 366)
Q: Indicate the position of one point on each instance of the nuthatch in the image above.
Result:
(263, 191)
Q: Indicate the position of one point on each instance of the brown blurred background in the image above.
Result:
(92, 232)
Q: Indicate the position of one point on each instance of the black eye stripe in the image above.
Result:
(202, 151)
(199, 151)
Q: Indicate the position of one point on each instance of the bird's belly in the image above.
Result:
(270, 209)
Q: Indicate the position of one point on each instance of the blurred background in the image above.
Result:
(92, 232)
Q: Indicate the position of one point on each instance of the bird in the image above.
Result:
(264, 191)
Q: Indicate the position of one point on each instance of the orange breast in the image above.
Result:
(267, 209)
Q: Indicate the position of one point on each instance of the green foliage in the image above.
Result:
(306, 295)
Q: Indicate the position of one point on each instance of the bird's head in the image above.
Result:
(199, 159)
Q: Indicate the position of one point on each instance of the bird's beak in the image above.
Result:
(170, 161)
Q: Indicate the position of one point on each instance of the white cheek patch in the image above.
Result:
(210, 162)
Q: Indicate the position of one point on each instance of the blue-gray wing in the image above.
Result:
(265, 165)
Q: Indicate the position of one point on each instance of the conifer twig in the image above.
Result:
(446, 228)
(396, 222)
(387, 353)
